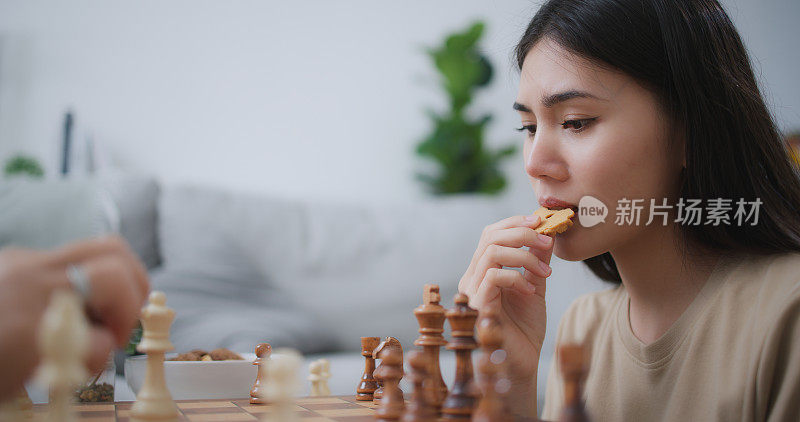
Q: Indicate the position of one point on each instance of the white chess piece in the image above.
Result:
(324, 389)
(154, 403)
(281, 384)
(63, 345)
(319, 372)
(315, 376)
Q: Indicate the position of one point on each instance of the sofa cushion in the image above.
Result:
(136, 198)
(44, 214)
(358, 269)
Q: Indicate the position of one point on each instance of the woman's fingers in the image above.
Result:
(517, 237)
(80, 252)
(496, 256)
(497, 279)
(115, 298)
(522, 221)
(102, 343)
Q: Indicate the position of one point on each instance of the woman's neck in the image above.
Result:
(660, 281)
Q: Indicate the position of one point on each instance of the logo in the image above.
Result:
(591, 211)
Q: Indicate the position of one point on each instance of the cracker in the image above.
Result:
(554, 221)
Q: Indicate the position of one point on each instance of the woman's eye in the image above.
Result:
(577, 125)
(530, 128)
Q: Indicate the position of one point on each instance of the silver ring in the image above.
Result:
(79, 279)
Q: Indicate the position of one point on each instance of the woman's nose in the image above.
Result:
(543, 158)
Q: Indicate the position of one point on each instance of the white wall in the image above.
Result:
(309, 98)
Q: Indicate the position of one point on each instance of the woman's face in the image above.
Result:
(594, 131)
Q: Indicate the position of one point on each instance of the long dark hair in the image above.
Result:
(691, 56)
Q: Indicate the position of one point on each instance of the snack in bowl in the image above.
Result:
(554, 221)
(198, 379)
(202, 355)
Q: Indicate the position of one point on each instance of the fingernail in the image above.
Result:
(532, 217)
(546, 268)
(545, 239)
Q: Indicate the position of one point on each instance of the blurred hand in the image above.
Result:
(518, 299)
(119, 286)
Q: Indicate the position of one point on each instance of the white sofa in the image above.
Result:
(310, 274)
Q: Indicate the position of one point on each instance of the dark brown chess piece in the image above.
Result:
(392, 404)
(430, 316)
(263, 351)
(463, 397)
(494, 384)
(388, 342)
(574, 364)
(367, 385)
(419, 409)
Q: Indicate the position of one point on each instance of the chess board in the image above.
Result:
(309, 409)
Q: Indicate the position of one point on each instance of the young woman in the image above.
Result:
(652, 100)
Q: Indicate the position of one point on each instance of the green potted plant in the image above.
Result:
(23, 165)
(456, 143)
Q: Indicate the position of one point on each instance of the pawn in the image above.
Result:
(318, 375)
(263, 352)
(280, 384)
(494, 384)
(419, 409)
(389, 342)
(392, 404)
(573, 362)
(367, 385)
(325, 375)
(63, 345)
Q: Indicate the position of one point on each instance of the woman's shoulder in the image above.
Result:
(774, 277)
(768, 285)
(588, 313)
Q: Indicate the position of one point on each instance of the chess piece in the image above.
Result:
(154, 402)
(573, 362)
(463, 397)
(368, 385)
(325, 376)
(263, 351)
(391, 405)
(280, 384)
(494, 384)
(430, 316)
(63, 345)
(388, 342)
(419, 409)
(318, 375)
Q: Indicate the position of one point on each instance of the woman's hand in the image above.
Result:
(118, 288)
(516, 298)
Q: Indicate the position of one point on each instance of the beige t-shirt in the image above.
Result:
(733, 355)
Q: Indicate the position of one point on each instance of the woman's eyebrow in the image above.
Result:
(553, 99)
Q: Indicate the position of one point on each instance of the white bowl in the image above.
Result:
(198, 380)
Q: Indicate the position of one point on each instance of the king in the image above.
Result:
(154, 403)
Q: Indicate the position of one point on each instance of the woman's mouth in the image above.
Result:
(556, 204)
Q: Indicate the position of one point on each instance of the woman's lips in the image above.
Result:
(555, 203)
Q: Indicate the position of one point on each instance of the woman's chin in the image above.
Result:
(570, 247)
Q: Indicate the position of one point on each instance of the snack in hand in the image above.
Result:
(554, 221)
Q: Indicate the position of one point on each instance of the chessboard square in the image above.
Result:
(332, 413)
(319, 400)
(269, 408)
(211, 417)
(105, 415)
(206, 404)
(325, 406)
